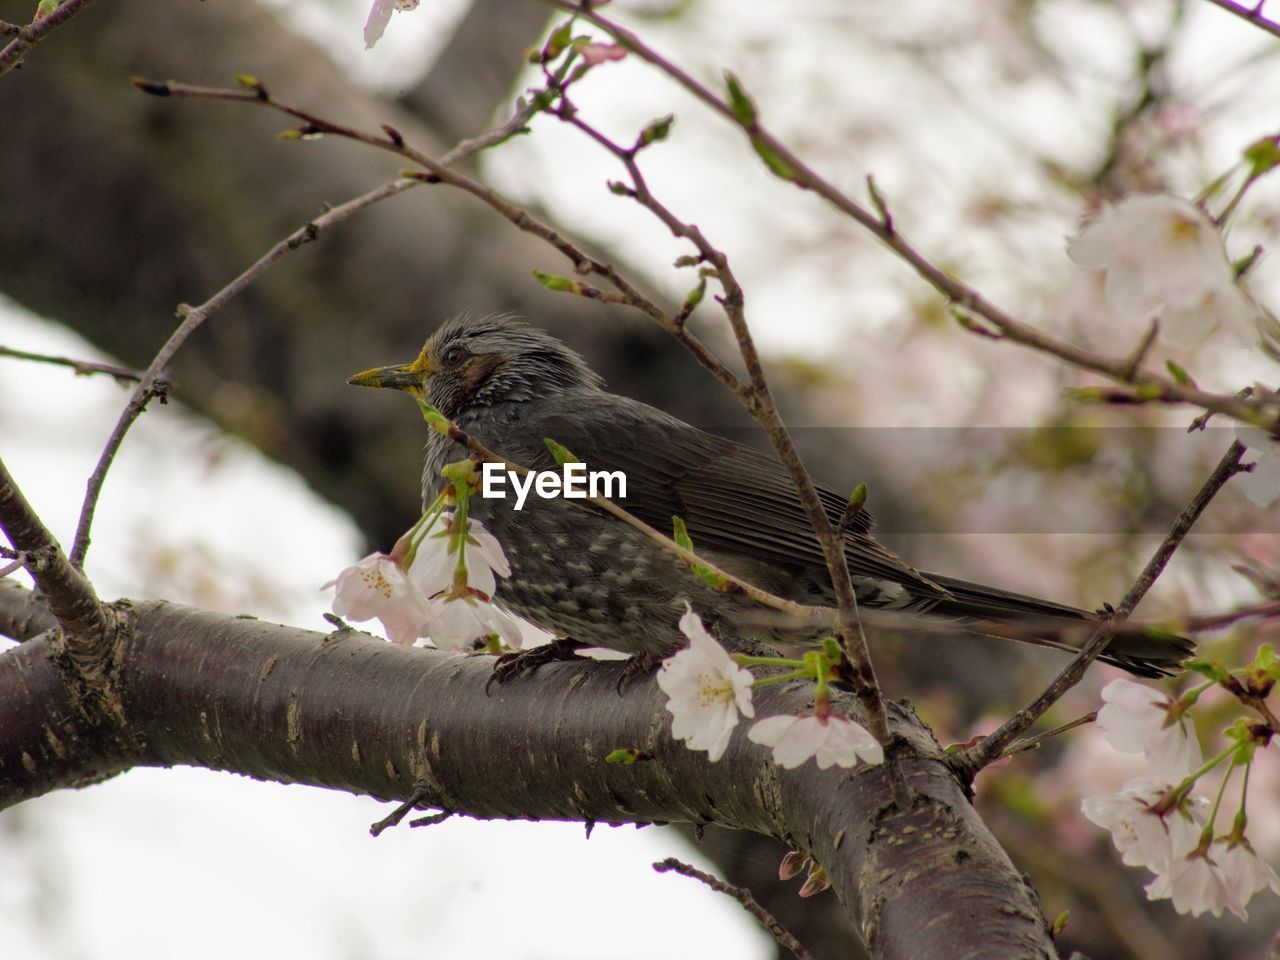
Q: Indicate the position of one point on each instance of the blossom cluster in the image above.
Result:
(1157, 822)
(437, 582)
(708, 690)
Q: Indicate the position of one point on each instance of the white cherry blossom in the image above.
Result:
(832, 740)
(1164, 257)
(458, 622)
(1196, 885)
(1244, 873)
(377, 586)
(1135, 719)
(436, 559)
(380, 16)
(706, 690)
(1143, 837)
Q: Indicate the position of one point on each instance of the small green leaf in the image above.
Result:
(559, 40)
(1262, 156)
(562, 456)
(1088, 394)
(1265, 662)
(680, 534)
(688, 260)
(777, 164)
(248, 80)
(695, 297)
(619, 188)
(859, 495)
(436, 420)
(1180, 376)
(1209, 669)
(459, 473)
(658, 130)
(1060, 923)
(740, 105)
(560, 284)
(626, 756)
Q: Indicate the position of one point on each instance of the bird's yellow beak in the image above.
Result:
(401, 376)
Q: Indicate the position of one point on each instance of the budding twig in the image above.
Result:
(744, 897)
(971, 761)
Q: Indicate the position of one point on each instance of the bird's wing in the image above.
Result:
(732, 498)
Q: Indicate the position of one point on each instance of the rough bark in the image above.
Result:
(906, 853)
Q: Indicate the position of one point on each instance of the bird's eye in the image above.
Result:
(454, 354)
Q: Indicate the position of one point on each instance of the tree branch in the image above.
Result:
(81, 367)
(971, 761)
(1251, 15)
(784, 163)
(69, 595)
(193, 317)
(904, 849)
(24, 38)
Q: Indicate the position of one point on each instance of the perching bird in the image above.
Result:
(585, 575)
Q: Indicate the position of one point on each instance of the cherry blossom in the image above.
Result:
(706, 690)
(377, 586)
(380, 16)
(597, 53)
(1196, 885)
(1262, 484)
(1244, 873)
(436, 559)
(1164, 257)
(1144, 837)
(1136, 719)
(458, 622)
(832, 740)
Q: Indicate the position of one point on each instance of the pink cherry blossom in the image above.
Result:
(832, 740)
(1136, 719)
(706, 690)
(377, 586)
(1164, 257)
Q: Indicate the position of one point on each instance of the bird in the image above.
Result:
(592, 580)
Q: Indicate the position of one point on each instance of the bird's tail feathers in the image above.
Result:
(1143, 650)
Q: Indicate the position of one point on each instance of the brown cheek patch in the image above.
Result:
(479, 369)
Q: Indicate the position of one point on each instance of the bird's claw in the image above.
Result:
(521, 662)
(636, 667)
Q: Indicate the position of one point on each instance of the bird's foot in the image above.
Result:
(517, 664)
(637, 666)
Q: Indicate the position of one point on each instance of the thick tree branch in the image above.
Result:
(904, 849)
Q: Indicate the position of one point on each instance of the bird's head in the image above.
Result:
(470, 362)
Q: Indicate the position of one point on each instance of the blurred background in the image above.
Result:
(993, 129)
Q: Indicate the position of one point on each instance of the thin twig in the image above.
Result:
(24, 38)
(438, 171)
(759, 401)
(193, 317)
(1252, 15)
(81, 367)
(744, 897)
(785, 163)
(420, 792)
(970, 761)
(1033, 743)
